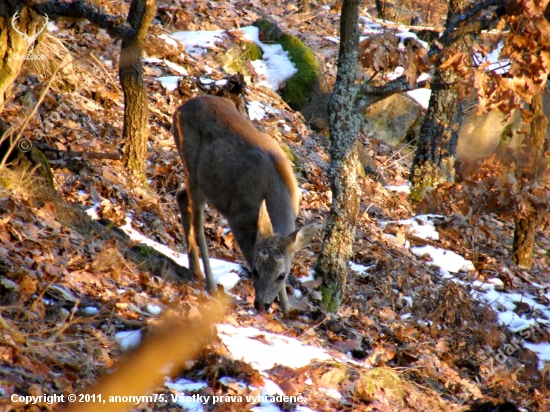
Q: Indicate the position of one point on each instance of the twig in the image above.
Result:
(102, 66)
(398, 152)
(327, 317)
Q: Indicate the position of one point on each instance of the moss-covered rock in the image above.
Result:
(378, 379)
(269, 31)
(300, 86)
(306, 91)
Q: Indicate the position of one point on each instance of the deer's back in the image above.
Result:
(233, 164)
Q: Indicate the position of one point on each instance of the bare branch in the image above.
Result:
(453, 32)
(459, 18)
(116, 26)
(369, 94)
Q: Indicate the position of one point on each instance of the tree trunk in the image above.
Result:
(136, 112)
(16, 37)
(380, 9)
(526, 224)
(435, 156)
(344, 124)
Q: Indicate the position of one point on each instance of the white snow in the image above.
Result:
(90, 310)
(154, 309)
(186, 385)
(182, 387)
(404, 188)
(168, 40)
(258, 110)
(542, 350)
(152, 60)
(128, 339)
(273, 69)
(196, 42)
(422, 226)
(243, 344)
(52, 27)
(309, 277)
(170, 83)
(332, 393)
(224, 273)
(446, 260)
(361, 269)
(421, 96)
(502, 303)
(92, 211)
(275, 66)
(176, 67)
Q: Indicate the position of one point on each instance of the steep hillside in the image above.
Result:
(435, 318)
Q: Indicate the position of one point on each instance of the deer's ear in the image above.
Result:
(265, 229)
(300, 238)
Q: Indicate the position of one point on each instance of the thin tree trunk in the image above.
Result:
(435, 156)
(136, 113)
(381, 8)
(526, 224)
(344, 124)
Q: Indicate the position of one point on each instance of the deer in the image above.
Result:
(246, 177)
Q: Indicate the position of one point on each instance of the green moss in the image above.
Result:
(328, 298)
(38, 157)
(146, 251)
(251, 51)
(302, 84)
(378, 379)
(289, 154)
(427, 177)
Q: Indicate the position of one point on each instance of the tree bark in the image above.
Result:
(16, 37)
(380, 9)
(435, 156)
(526, 224)
(136, 112)
(344, 124)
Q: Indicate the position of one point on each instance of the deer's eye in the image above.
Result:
(281, 277)
(255, 273)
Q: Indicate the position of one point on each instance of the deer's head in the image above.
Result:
(273, 255)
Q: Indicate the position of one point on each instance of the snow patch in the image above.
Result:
(243, 344)
(128, 339)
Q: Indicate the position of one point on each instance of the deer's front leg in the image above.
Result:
(283, 300)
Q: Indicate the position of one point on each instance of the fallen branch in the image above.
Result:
(67, 153)
(116, 26)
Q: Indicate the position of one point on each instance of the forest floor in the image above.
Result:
(469, 337)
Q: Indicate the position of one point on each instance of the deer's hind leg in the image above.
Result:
(192, 220)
